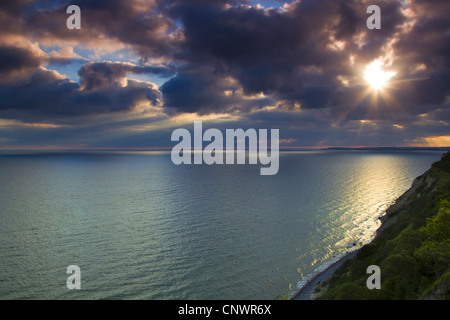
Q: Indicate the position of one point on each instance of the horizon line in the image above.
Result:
(284, 148)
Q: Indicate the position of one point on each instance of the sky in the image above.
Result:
(139, 69)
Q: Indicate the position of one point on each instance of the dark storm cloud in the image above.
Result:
(284, 54)
(135, 23)
(46, 95)
(99, 75)
(421, 95)
(31, 92)
(14, 59)
(190, 92)
(423, 54)
(304, 63)
(18, 60)
(204, 91)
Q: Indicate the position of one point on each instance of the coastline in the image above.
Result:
(307, 291)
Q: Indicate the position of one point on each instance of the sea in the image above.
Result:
(140, 227)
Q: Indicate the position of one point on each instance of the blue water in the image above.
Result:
(140, 227)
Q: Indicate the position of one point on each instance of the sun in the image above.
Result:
(376, 77)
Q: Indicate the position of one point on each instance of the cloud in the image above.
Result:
(16, 60)
(98, 75)
(105, 24)
(64, 56)
(46, 94)
(288, 54)
(299, 66)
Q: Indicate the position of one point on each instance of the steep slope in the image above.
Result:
(412, 248)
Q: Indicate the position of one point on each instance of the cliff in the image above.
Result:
(412, 247)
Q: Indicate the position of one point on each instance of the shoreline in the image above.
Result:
(306, 292)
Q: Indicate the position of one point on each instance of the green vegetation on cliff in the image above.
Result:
(412, 247)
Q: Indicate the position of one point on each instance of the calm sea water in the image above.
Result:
(140, 227)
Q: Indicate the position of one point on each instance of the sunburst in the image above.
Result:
(376, 77)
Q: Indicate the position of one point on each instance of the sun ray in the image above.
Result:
(376, 77)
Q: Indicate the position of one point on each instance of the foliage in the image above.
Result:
(413, 253)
